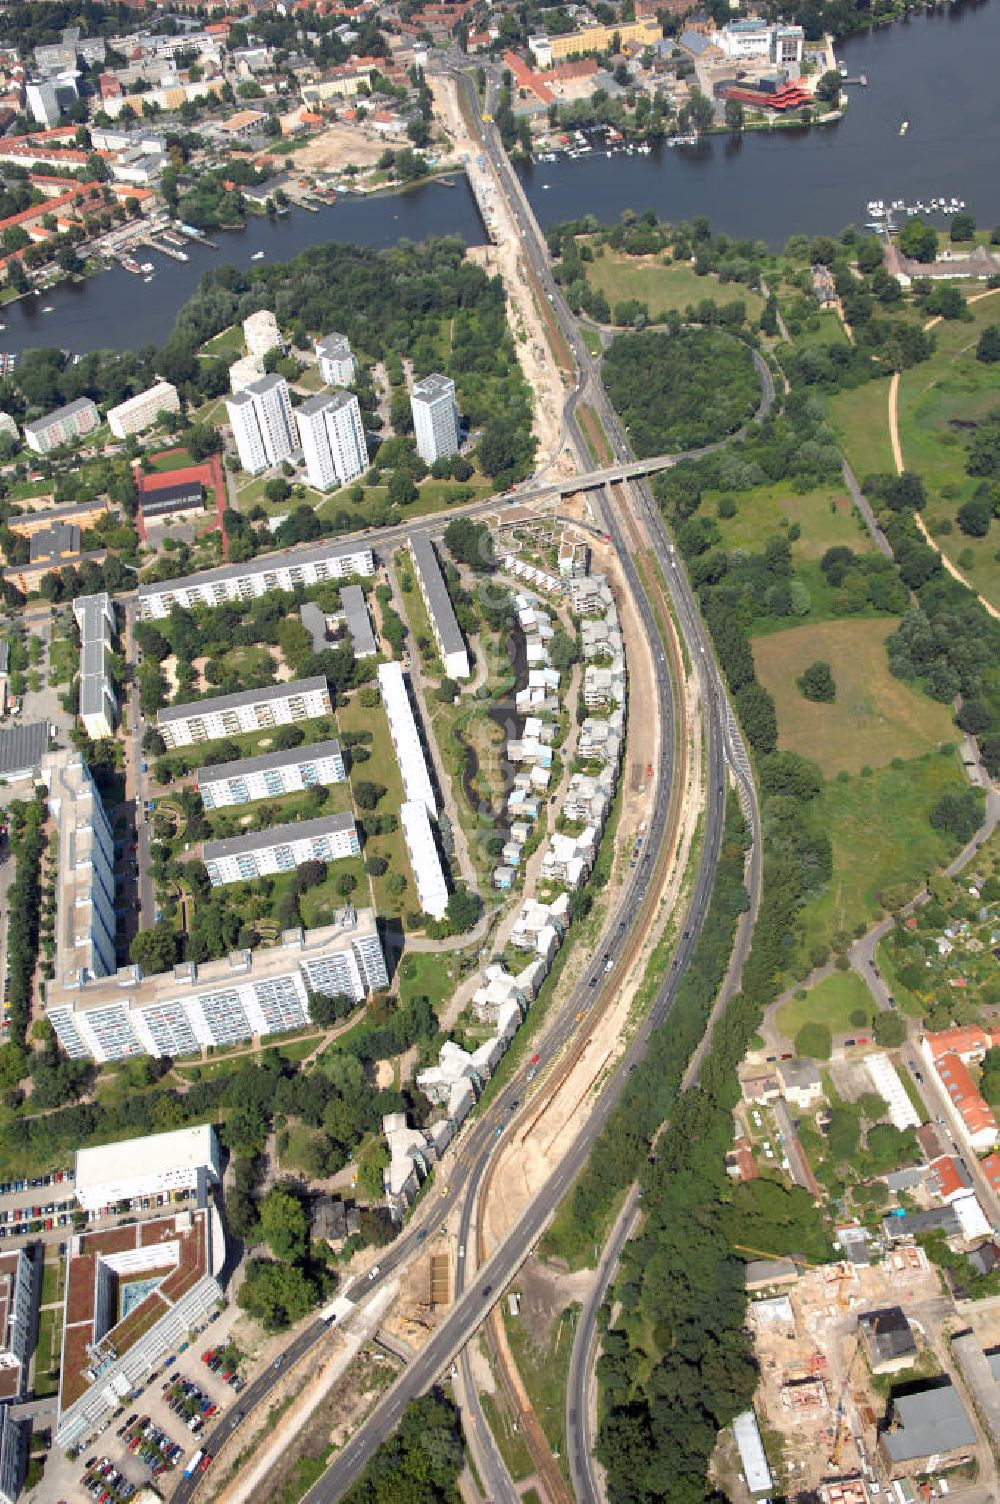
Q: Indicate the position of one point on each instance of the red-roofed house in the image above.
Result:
(968, 1042)
(990, 1167)
(971, 1115)
(949, 1177)
(527, 81)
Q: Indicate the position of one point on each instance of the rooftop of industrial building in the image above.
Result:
(183, 1148)
(278, 835)
(286, 757)
(23, 747)
(219, 703)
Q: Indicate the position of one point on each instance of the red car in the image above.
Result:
(203, 1464)
(534, 1059)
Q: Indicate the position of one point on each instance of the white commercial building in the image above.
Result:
(242, 582)
(261, 418)
(405, 736)
(424, 860)
(250, 710)
(62, 426)
(747, 40)
(261, 853)
(245, 994)
(149, 1166)
(332, 437)
(440, 611)
(95, 616)
(261, 333)
(435, 417)
(885, 1080)
(271, 775)
(141, 411)
(337, 365)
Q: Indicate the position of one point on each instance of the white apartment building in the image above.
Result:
(149, 1166)
(244, 372)
(409, 751)
(332, 437)
(261, 333)
(250, 710)
(95, 616)
(337, 365)
(271, 775)
(261, 853)
(435, 417)
(432, 889)
(62, 426)
(440, 611)
(748, 40)
(85, 901)
(242, 582)
(261, 418)
(141, 411)
(247, 993)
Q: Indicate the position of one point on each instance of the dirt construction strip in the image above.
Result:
(897, 456)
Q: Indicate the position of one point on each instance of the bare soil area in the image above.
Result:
(340, 145)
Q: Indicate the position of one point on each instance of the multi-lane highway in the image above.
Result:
(512, 1106)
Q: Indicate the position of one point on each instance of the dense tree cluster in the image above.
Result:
(421, 1461)
(680, 391)
(23, 911)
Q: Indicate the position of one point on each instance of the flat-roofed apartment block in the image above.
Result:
(85, 902)
(19, 1294)
(251, 710)
(405, 736)
(332, 437)
(62, 426)
(444, 623)
(141, 412)
(157, 1163)
(242, 995)
(259, 853)
(355, 608)
(85, 515)
(432, 888)
(132, 1295)
(271, 775)
(244, 582)
(14, 1439)
(435, 418)
(261, 418)
(95, 616)
(337, 365)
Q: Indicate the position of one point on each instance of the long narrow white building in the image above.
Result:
(332, 437)
(432, 887)
(251, 710)
(241, 582)
(440, 611)
(95, 617)
(409, 750)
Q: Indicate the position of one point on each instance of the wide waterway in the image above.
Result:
(938, 71)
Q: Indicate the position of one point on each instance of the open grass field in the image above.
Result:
(837, 1001)
(874, 718)
(938, 400)
(381, 768)
(230, 342)
(825, 516)
(172, 459)
(543, 1367)
(664, 287)
(860, 420)
(425, 974)
(882, 838)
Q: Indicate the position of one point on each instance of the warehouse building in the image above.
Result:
(22, 749)
(422, 849)
(157, 1163)
(250, 710)
(245, 994)
(261, 853)
(172, 501)
(927, 1428)
(243, 582)
(405, 736)
(444, 624)
(272, 775)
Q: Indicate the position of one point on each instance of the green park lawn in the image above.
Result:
(171, 459)
(830, 1002)
(826, 518)
(875, 717)
(938, 402)
(859, 418)
(881, 838)
(381, 768)
(229, 342)
(662, 287)
(426, 974)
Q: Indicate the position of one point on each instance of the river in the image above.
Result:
(936, 70)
